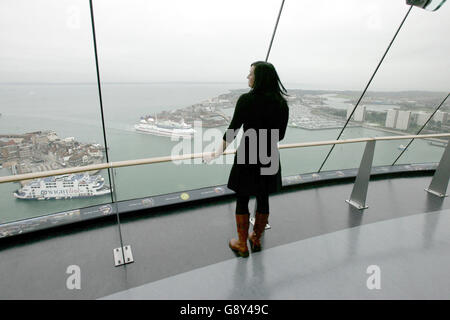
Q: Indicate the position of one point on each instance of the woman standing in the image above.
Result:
(256, 170)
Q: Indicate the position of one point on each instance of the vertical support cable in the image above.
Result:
(99, 87)
(274, 31)
(431, 116)
(110, 173)
(367, 86)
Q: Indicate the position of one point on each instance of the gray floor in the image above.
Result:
(412, 255)
(168, 244)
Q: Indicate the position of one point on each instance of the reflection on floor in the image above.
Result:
(404, 258)
(318, 247)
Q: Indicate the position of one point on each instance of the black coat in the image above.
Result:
(257, 111)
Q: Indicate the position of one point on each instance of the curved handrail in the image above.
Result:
(130, 163)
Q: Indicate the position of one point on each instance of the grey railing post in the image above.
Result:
(359, 192)
(439, 183)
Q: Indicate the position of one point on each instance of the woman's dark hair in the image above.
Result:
(267, 80)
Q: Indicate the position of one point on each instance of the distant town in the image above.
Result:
(44, 150)
(397, 112)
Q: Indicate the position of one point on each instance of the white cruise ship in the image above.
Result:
(64, 187)
(165, 128)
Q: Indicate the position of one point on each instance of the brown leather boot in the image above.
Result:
(261, 220)
(240, 245)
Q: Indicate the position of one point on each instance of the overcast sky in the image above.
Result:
(324, 44)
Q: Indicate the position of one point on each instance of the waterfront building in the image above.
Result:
(358, 115)
(441, 117)
(420, 118)
(391, 118)
(403, 120)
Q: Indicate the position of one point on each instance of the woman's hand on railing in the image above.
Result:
(209, 156)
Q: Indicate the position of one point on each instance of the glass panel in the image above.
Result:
(182, 61)
(50, 116)
(408, 87)
(326, 52)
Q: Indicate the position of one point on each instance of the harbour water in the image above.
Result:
(73, 111)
